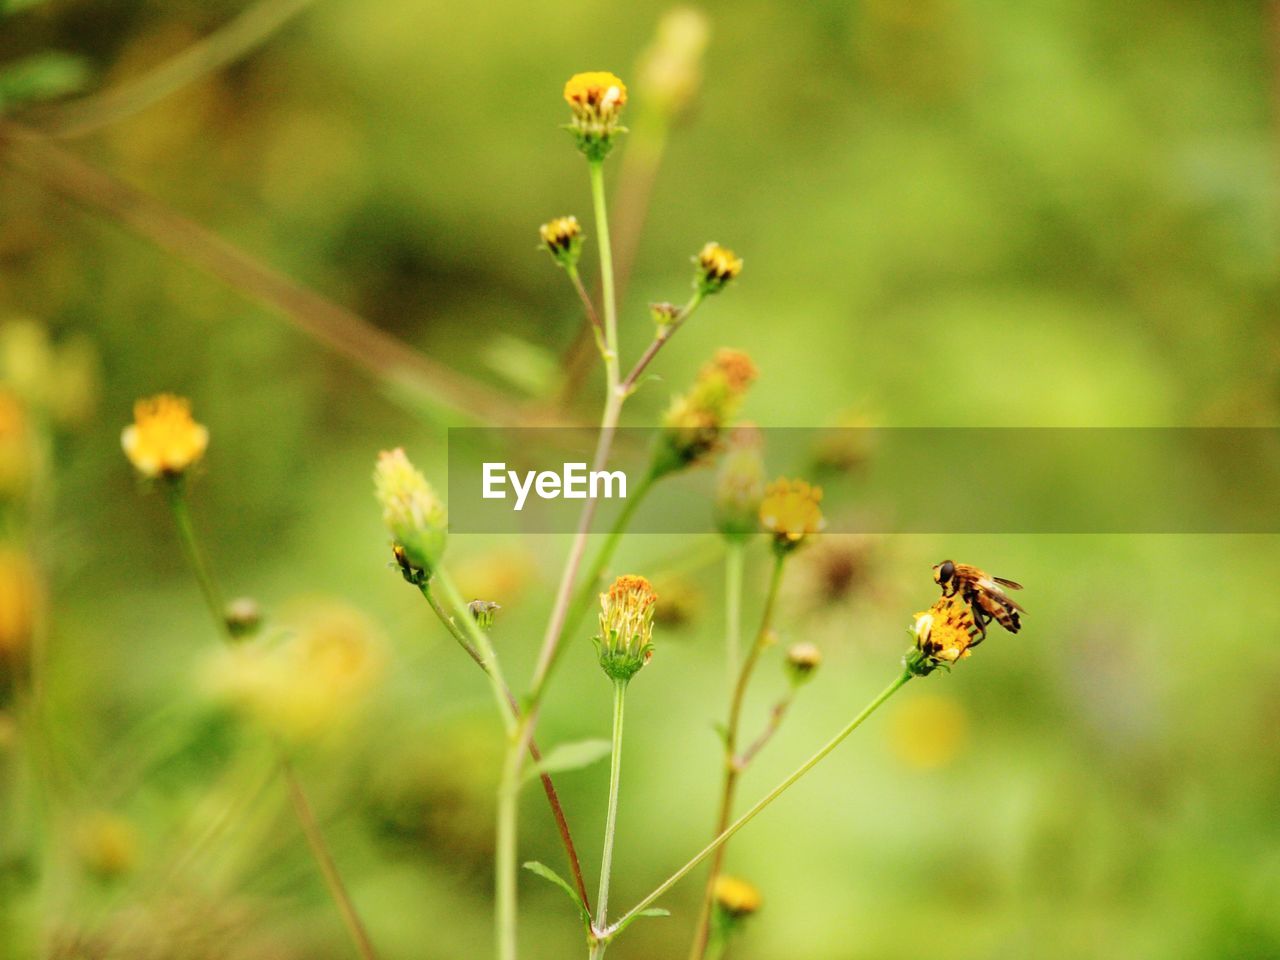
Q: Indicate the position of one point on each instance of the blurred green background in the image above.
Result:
(952, 213)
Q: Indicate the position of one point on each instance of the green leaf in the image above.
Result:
(546, 873)
(570, 756)
(41, 76)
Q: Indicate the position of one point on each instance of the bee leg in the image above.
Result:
(980, 620)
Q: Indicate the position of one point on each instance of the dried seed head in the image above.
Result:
(562, 238)
(664, 314)
(625, 643)
(596, 99)
(163, 440)
(790, 511)
(484, 611)
(412, 512)
(717, 266)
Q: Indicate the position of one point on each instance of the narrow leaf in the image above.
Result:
(546, 873)
(570, 756)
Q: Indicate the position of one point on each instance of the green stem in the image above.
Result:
(733, 763)
(622, 922)
(176, 489)
(734, 567)
(324, 859)
(607, 294)
(611, 818)
(480, 643)
(505, 914)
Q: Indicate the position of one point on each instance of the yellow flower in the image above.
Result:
(945, 632)
(790, 512)
(625, 643)
(20, 603)
(411, 511)
(309, 682)
(597, 99)
(163, 440)
(562, 238)
(735, 897)
(693, 424)
(716, 267)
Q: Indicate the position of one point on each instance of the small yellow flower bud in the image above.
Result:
(596, 99)
(803, 660)
(736, 898)
(693, 424)
(625, 643)
(740, 485)
(562, 238)
(664, 314)
(716, 267)
(790, 511)
(944, 634)
(163, 440)
(412, 513)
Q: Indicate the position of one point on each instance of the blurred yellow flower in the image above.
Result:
(163, 439)
(311, 681)
(735, 897)
(107, 845)
(929, 730)
(411, 510)
(790, 511)
(16, 454)
(694, 422)
(20, 603)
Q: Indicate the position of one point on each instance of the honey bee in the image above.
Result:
(985, 595)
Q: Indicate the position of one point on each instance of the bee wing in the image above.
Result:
(992, 586)
(1011, 584)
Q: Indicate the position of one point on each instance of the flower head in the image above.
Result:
(20, 604)
(625, 643)
(308, 681)
(695, 421)
(163, 440)
(790, 511)
(717, 265)
(597, 99)
(664, 314)
(944, 634)
(562, 238)
(484, 612)
(736, 898)
(412, 512)
(803, 660)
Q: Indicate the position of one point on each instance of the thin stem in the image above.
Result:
(328, 869)
(734, 567)
(593, 318)
(776, 716)
(176, 489)
(611, 818)
(306, 818)
(607, 294)
(725, 835)
(733, 765)
(481, 645)
(504, 873)
(664, 334)
(548, 785)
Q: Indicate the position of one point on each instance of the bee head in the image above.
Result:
(943, 573)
